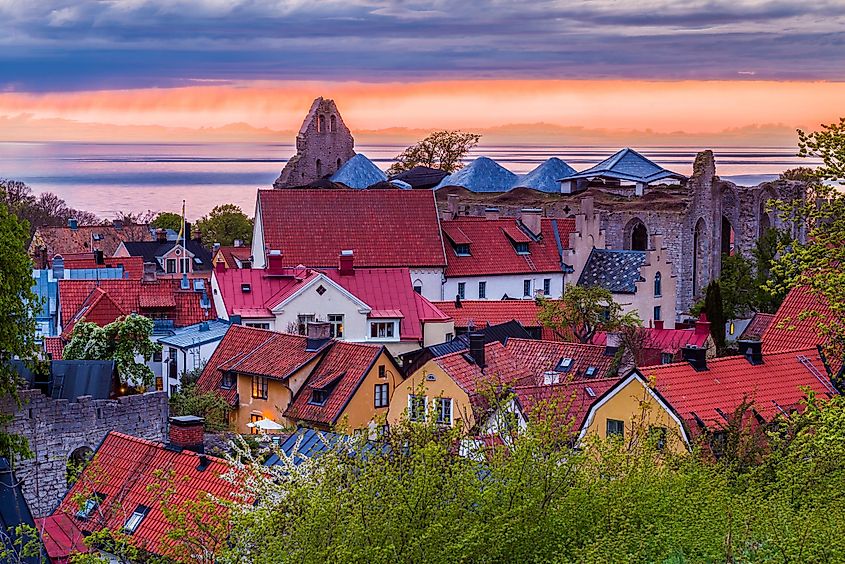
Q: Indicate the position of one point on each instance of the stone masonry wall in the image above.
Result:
(57, 428)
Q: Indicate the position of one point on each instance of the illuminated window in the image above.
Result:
(382, 329)
(255, 418)
(259, 387)
(336, 322)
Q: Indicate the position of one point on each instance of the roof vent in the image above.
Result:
(73, 223)
(752, 351)
(185, 284)
(551, 377)
(204, 326)
(199, 285)
(204, 463)
(246, 288)
(205, 303)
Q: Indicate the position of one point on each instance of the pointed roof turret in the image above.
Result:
(546, 177)
(481, 175)
(359, 172)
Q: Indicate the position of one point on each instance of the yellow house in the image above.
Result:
(261, 374)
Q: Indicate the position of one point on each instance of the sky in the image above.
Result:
(153, 66)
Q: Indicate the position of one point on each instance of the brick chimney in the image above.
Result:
(347, 263)
(161, 235)
(491, 213)
(702, 326)
(696, 356)
(275, 262)
(658, 324)
(149, 272)
(318, 330)
(613, 342)
(186, 432)
(532, 219)
(452, 205)
(752, 351)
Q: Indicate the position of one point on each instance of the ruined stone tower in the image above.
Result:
(323, 144)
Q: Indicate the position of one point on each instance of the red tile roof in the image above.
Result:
(133, 267)
(788, 330)
(568, 403)
(501, 369)
(383, 289)
(537, 357)
(231, 255)
(383, 227)
(134, 296)
(67, 241)
(122, 470)
(97, 308)
(774, 386)
(54, 346)
(756, 327)
(492, 252)
(340, 372)
(668, 341)
(61, 537)
(492, 312)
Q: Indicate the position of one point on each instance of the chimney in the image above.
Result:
(216, 247)
(98, 258)
(476, 349)
(347, 263)
(696, 356)
(58, 266)
(458, 304)
(186, 432)
(185, 284)
(237, 242)
(702, 326)
(752, 351)
(532, 219)
(587, 207)
(491, 213)
(149, 272)
(161, 235)
(318, 330)
(220, 266)
(117, 224)
(452, 205)
(613, 342)
(72, 223)
(43, 256)
(658, 324)
(275, 264)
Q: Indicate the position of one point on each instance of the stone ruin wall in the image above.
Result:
(57, 428)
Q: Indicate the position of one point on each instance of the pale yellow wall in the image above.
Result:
(361, 409)
(278, 398)
(435, 333)
(644, 301)
(588, 235)
(634, 405)
(120, 251)
(442, 386)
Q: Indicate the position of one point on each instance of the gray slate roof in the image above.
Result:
(310, 443)
(151, 250)
(70, 379)
(481, 175)
(359, 172)
(627, 165)
(545, 177)
(617, 271)
(196, 334)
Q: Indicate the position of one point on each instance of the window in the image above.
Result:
(303, 321)
(318, 396)
(482, 290)
(590, 372)
(336, 322)
(255, 418)
(658, 285)
(547, 286)
(462, 288)
(444, 411)
(91, 504)
(259, 387)
(381, 395)
(173, 389)
(462, 250)
(526, 287)
(416, 408)
(382, 330)
(258, 325)
(658, 434)
(171, 266)
(228, 380)
(159, 384)
(657, 313)
(564, 365)
(615, 428)
(157, 356)
(521, 248)
(382, 371)
(135, 519)
(666, 358)
(418, 286)
(185, 264)
(171, 353)
(449, 337)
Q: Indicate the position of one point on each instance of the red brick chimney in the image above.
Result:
(186, 432)
(347, 263)
(275, 262)
(658, 324)
(532, 219)
(702, 326)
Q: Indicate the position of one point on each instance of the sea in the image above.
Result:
(136, 177)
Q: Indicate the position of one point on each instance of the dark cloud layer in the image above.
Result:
(88, 44)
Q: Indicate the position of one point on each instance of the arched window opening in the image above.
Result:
(639, 237)
(333, 124)
(699, 254)
(728, 237)
(338, 164)
(658, 285)
(319, 168)
(418, 286)
(321, 123)
(765, 221)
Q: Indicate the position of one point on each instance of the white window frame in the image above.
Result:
(439, 402)
(547, 286)
(374, 324)
(411, 398)
(482, 290)
(377, 395)
(334, 333)
(526, 288)
(462, 286)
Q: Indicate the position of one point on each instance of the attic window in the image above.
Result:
(91, 505)
(564, 365)
(245, 288)
(462, 250)
(135, 519)
(521, 248)
(318, 397)
(590, 392)
(591, 372)
(97, 236)
(197, 260)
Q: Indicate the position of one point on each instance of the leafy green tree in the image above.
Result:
(582, 311)
(224, 224)
(18, 307)
(440, 149)
(209, 405)
(121, 341)
(766, 252)
(738, 285)
(167, 220)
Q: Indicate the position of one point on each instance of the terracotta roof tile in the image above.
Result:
(537, 357)
(492, 312)
(568, 402)
(84, 239)
(756, 327)
(501, 369)
(133, 267)
(238, 342)
(787, 330)
(54, 346)
(383, 227)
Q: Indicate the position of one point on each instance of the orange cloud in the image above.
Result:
(663, 107)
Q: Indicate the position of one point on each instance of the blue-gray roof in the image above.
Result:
(14, 512)
(309, 443)
(617, 271)
(196, 334)
(481, 175)
(627, 165)
(545, 177)
(359, 172)
(69, 379)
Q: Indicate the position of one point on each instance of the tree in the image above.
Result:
(582, 311)
(739, 287)
(18, 308)
(441, 149)
(46, 209)
(209, 405)
(714, 308)
(121, 341)
(224, 224)
(167, 220)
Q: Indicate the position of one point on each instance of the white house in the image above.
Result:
(187, 349)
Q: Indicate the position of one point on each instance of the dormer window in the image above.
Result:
(462, 250)
(521, 248)
(318, 397)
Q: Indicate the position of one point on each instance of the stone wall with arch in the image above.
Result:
(60, 429)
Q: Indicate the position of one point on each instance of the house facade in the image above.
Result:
(188, 349)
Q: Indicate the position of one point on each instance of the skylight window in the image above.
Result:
(590, 392)
(135, 519)
(245, 288)
(197, 260)
(591, 372)
(564, 365)
(91, 504)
